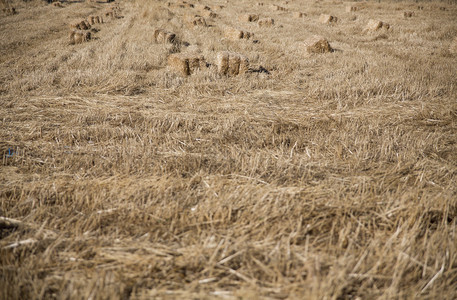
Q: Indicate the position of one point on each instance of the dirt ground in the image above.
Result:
(311, 176)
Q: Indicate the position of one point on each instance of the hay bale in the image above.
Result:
(202, 7)
(408, 14)
(351, 8)
(235, 34)
(249, 18)
(164, 37)
(327, 19)
(209, 14)
(299, 15)
(91, 20)
(231, 64)
(78, 37)
(317, 44)
(110, 14)
(453, 46)
(186, 63)
(195, 20)
(266, 22)
(374, 25)
(279, 8)
(9, 11)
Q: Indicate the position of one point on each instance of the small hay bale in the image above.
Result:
(279, 8)
(91, 20)
(327, 19)
(249, 18)
(408, 14)
(110, 14)
(186, 63)
(164, 37)
(202, 7)
(231, 64)
(317, 44)
(195, 20)
(299, 15)
(235, 34)
(374, 25)
(209, 14)
(9, 11)
(78, 37)
(266, 22)
(453, 46)
(351, 8)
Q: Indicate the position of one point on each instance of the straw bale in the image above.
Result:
(202, 7)
(327, 19)
(249, 18)
(351, 8)
(299, 15)
(237, 34)
(164, 37)
(266, 22)
(408, 14)
(374, 25)
(231, 64)
(195, 20)
(209, 14)
(78, 37)
(186, 63)
(9, 11)
(317, 44)
(277, 7)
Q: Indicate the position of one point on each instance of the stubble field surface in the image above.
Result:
(311, 176)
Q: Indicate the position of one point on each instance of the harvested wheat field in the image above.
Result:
(313, 161)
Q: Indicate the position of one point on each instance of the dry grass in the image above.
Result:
(318, 176)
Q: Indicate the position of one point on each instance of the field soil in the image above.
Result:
(310, 176)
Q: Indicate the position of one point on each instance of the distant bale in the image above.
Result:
(195, 20)
(453, 46)
(202, 7)
(327, 19)
(209, 14)
(408, 14)
(57, 4)
(374, 25)
(164, 37)
(81, 25)
(78, 37)
(9, 11)
(317, 44)
(235, 34)
(231, 64)
(299, 15)
(277, 7)
(351, 8)
(266, 22)
(249, 18)
(186, 63)
(110, 14)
